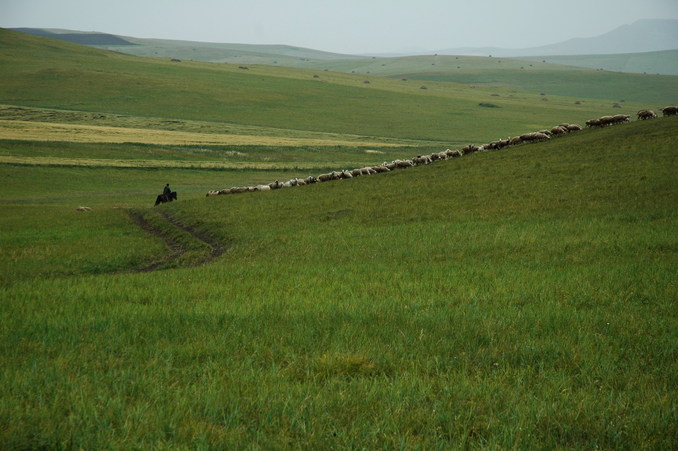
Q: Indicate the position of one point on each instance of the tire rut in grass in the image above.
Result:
(177, 249)
(216, 248)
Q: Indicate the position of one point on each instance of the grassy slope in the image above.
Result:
(553, 79)
(522, 298)
(665, 62)
(48, 73)
(222, 53)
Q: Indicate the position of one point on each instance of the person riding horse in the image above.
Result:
(167, 195)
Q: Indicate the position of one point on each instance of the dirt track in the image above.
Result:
(177, 249)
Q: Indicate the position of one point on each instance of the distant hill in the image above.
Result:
(212, 52)
(77, 37)
(649, 35)
(664, 62)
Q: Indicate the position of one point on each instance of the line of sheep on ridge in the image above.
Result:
(527, 138)
(642, 115)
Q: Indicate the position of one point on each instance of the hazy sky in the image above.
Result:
(344, 26)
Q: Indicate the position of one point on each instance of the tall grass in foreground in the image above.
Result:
(518, 299)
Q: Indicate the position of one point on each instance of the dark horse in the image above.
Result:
(162, 198)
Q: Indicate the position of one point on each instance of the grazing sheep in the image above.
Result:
(379, 169)
(536, 137)
(646, 114)
(362, 171)
(453, 153)
(403, 164)
(559, 130)
(499, 144)
(542, 135)
(620, 118)
(470, 149)
(421, 159)
(83, 209)
(607, 120)
(327, 177)
(669, 110)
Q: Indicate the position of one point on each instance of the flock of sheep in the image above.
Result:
(541, 135)
(621, 118)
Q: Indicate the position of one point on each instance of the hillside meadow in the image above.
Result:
(44, 73)
(522, 298)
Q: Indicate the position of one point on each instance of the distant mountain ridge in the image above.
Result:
(647, 35)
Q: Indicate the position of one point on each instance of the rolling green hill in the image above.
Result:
(518, 72)
(41, 72)
(540, 75)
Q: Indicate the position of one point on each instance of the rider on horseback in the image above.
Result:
(167, 195)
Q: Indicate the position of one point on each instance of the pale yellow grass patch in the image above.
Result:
(45, 131)
(155, 164)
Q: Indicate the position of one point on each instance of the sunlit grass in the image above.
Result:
(40, 131)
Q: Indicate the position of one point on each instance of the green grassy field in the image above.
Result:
(522, 298)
